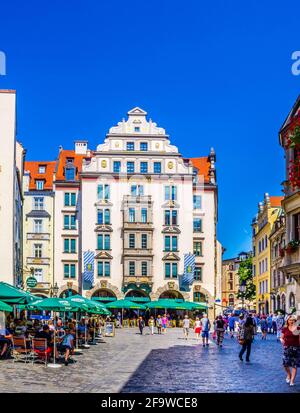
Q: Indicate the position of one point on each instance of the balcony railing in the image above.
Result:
(138, 225)
(291, 263)
(131, 199)
(138, 251)
(138, 279)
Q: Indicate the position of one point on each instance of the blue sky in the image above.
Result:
(212, 73)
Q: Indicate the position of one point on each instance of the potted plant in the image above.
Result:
(291, 247)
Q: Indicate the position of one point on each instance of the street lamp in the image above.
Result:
(242, 291)
(54, 290)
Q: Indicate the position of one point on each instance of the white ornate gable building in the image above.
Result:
(143, 207)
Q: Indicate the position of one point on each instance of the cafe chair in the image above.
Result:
(21, 349)
(40, 350)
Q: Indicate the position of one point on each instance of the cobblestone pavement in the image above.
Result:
(130, 362)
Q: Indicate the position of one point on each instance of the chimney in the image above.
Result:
(81, 147)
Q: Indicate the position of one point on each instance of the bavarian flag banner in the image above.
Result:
(88, 263)
(189, 268)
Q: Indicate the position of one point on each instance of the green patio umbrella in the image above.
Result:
(88, 305)
(13, 295)
(125, 304)
(55, 305)
(5, 307)
(197, 306)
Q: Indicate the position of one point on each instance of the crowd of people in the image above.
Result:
(67, 333)
(244, 327)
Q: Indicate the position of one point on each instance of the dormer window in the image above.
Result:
(42, 169)
(130, 146)
(39, 185)
(70, 173)
(70, 160)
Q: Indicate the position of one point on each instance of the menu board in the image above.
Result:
(109, 329)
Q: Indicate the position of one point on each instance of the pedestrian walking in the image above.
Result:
(186, 326)
(197, 328)
(269, 323)
(291, 349)
(141, 324)
(274, 324)
(279, 326)
(205, 323)
(159, 324)
(264, 328)
(164, 323)
(220, 329)
(151, 325)
(231, 325)
(246, 337)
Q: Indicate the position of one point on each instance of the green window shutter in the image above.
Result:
(100, 242)
(174, 270)
(167, 270)
(66, 221)
(66, 245)
(107, 269)
(67, 198)
(66, 271)
(73, 199)
(73, 245)
(73, 270)
(73, 221)
(100, 268)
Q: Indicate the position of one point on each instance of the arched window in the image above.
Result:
(292, 300)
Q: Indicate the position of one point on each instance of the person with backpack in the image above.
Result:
(220, 329)
(205, 323)
(246, 336)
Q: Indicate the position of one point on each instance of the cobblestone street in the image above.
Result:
(167, 363)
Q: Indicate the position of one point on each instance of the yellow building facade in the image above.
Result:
(262, 226)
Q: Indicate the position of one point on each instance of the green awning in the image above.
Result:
(139, 299)
(103, 299)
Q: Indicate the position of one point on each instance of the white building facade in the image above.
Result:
(11, 198)
(143, 206)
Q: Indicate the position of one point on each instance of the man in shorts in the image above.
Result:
(205, 329)
(186, 326)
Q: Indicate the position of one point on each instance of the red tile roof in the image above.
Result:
(275, 201)
(33, 168)
(62, 161)
(203, 165)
